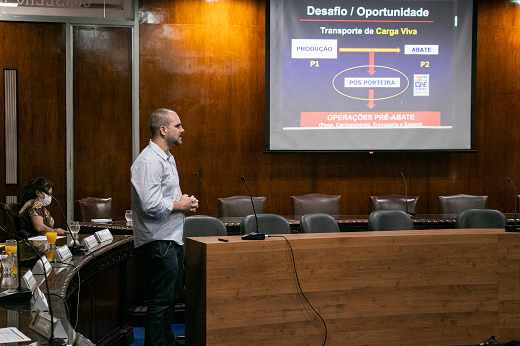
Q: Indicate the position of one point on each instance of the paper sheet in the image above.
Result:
(42, 237)
(12, 334)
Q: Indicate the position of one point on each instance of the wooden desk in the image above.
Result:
(21, 319)
(423, 287)
(346, 223)
(103, 294)
(354, 223)
(117, 227)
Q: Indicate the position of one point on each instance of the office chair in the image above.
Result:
(318, 223)
(240, 206)
(11, 211)
(90, 208)
(457, 203)
(394, 202)
(267, 224)
(481, 218)
(389, 220)
(203, 226)
(199, 226)
(315, 203)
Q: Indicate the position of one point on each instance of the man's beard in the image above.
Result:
(172, 142)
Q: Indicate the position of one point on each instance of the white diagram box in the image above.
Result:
(421, 49)
(372, 82)
(314, 49)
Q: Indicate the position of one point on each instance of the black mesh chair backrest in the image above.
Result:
(481, 218)
(315, 203)
(394, 202)
(457, 203)
(389, 220)
(318, 223)
(240, 206)
(203, 226)
(267, 223)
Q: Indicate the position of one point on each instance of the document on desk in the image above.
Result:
(12, 334)
(42, 237)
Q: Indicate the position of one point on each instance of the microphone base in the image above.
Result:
(53, 342)
(412, 215)
(16, 299)
(254, 236)
(78, 249)
(512, 228)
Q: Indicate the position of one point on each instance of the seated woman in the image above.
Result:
(35, 219)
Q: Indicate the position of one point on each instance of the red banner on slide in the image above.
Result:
(370, 119)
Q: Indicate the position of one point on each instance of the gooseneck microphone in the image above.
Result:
(254, 235)
(17, 238)
(62, 213)
(406, 197)
(513, 227)
(52, 340)
(75, 248)
(20, 295)
(205, 192)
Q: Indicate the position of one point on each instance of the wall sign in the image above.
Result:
(113, 9)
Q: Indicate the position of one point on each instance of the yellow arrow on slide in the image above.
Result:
(376, 50)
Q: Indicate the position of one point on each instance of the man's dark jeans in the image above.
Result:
(164, 274)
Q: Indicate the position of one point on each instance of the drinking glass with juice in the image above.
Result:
(51, 237)
(10, 250)
(10, 247)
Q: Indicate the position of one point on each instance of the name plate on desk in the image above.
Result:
(28, 281)
(39, 301)
(41, 324)
(103, 235)
(39, 269)
(62, 254)
(90, 243)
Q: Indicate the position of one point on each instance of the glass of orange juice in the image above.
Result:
(51, 239)
(7, 263)
(50, 255)
(10, 247)
(10, 250)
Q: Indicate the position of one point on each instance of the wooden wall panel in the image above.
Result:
(204, 72)
(37, 51)
(103, 115)
(206, 60)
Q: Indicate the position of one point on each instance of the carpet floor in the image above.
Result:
(178, 330)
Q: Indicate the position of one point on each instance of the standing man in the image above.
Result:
(158, 207)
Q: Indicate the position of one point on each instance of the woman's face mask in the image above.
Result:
(46, 201)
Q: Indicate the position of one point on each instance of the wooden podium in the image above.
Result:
(423, 287)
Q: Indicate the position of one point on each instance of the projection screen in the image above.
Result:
(369, 75)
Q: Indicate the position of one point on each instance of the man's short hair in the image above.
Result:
(160, 117)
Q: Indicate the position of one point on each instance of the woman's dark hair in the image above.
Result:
(36, 184)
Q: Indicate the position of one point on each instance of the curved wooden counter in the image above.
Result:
(103, 292)
(100, 278)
